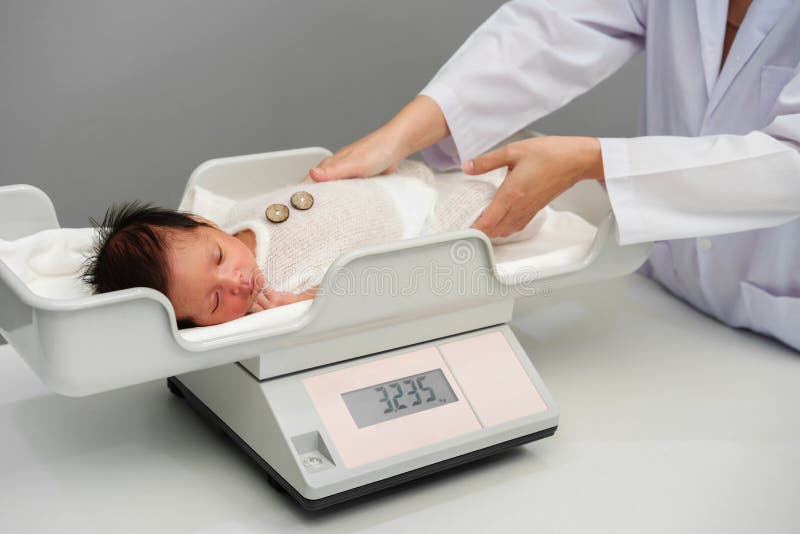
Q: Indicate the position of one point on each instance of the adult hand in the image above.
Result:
(418, 125)
(377, 153)
(539, 169)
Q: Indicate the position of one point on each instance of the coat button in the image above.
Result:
(277, 213)
(302, 200)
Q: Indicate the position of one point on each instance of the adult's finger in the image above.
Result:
(316, 171)
(488, 162)
(390, 169)
(337, 169)
(513, 222)
(492, 215)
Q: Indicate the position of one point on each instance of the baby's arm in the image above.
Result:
(271, 298)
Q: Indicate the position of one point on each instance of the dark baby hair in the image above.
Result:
(131, 246)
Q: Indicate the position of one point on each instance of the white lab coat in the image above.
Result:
(719, 163)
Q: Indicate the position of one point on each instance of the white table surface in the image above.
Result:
(670, 422)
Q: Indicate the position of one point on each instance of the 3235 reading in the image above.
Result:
(396, 398)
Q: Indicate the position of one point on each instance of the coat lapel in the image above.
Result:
(711, 15)
(760, 19)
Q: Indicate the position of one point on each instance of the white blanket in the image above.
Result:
(49, 262)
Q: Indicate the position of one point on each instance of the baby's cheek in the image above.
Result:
(243, 308)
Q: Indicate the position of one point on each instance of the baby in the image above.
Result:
(273, 249)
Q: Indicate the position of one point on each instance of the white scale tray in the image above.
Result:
(96, 343)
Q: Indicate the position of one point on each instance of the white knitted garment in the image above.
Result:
(347, 214)
(460, 200)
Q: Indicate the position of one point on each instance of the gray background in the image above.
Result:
(104, 101)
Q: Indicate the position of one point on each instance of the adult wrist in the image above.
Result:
(391, 135)
(591, 156)
(420, 124)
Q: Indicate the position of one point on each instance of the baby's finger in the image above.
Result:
(260, 304)
(280, 298)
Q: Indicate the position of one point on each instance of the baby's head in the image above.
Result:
(209, 275)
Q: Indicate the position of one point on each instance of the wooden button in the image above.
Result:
(277, 213)
(302, 200)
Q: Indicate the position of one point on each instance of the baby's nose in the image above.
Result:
(236, 283)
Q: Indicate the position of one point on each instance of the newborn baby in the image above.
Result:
(228, 258)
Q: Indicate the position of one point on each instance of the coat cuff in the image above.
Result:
(621, 192)
(461, 145)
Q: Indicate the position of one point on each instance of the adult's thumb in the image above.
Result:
(487, 162)
(327, 170)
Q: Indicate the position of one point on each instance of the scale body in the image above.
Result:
(331, 434)
(290, 393)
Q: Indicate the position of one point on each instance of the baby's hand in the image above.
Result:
(260, 304)
(270, 298)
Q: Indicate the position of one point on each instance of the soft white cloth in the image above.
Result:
(49, 261)
(346, 214)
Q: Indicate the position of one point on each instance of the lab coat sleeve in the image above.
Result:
(679, 187)
(528, 59)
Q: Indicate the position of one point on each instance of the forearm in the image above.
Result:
(590, 155)
(681, 187)
(309, 294)
(418, 125)
(527, 60)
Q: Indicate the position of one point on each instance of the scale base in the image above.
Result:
(279, 483)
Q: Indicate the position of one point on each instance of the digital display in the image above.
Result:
(400, 397)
